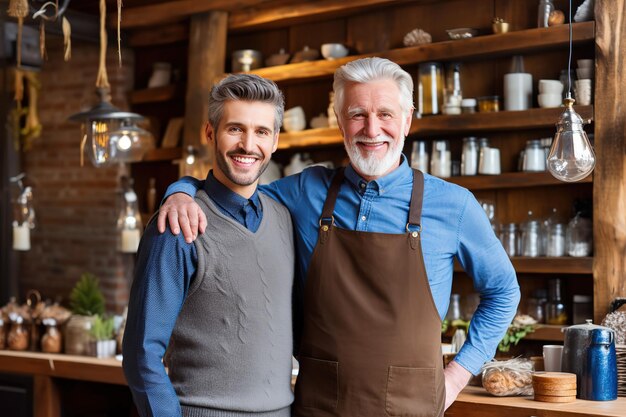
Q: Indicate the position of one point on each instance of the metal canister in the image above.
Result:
(600, 382)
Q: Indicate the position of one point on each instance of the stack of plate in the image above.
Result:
(621, 370)
(554, 387)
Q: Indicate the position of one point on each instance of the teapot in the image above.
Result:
(589, 352)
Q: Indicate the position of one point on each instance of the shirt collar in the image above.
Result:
(396, 177)
(227, 198)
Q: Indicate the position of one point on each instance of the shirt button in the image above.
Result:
(362, 185)
(363, 218)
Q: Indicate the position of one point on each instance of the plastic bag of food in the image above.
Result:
(507, 378)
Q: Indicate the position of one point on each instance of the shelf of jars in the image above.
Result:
(479, 47)
(441, 124)
(509, 180)
(548, 265)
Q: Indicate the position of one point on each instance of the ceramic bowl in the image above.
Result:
(548, 100)
(550, 87)
(334, 50)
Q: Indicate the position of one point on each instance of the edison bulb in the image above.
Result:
(190, 159)
(571, 156)
(124, 143)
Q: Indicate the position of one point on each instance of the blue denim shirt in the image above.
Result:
(166, 266)
(454, 225)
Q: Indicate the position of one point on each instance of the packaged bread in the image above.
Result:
(507, 378)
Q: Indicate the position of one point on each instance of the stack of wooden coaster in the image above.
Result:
(554, 387)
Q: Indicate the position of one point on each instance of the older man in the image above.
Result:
(375, 245)
(221, 307)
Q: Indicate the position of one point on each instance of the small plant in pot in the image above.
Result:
(86, 301)
(102, 330)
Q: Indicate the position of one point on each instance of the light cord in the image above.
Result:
(569, 60)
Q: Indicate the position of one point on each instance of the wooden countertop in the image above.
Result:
(476, 402)
(84, 368)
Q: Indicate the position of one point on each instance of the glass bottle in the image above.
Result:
(430, 89)
(469, 157)
(536, 305)
(129, 224)
(531, 237)
(453, 93)
(18, 335)
(555, 308)
(440, 161)
(419, 156)
(543, 16)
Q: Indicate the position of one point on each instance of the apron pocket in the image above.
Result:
(411, 392)
(317, 383)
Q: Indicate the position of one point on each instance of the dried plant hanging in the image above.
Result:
(67, 40)
(19, 10)
(42, 14)
(119, 33)
(102, 81)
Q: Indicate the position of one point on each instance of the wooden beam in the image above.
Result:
(299, 12)
(207, 57)
(46, 397)
(609, 188)
(159, 35)
(173, 11)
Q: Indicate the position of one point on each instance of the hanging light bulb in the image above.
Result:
(129, 143)
(571, 156)
(23, 215)
(129, 225)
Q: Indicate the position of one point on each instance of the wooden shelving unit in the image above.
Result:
(466, 49)
(509, 180)
(153, 95)
(544, 265)
(546, 332)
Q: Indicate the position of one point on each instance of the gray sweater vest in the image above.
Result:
(230, 351)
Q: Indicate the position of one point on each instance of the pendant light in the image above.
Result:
(23, 215)
(110, 135)
(571, 156)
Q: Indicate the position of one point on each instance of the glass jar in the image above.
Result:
(468, 105)
(419, 156)
(555, 308)
(579, 236)
(18, 335)
(535, 309)
(51, 340)
(469, 156)
(531, 237)
(488, 104)
(430, 88)
(440, 162)
(509, 239)
(534, 159)
(556, 240)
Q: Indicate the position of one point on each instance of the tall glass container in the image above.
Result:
(430, 88)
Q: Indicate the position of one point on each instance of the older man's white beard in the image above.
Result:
(371, 165)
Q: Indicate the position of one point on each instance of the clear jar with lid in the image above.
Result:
(468, 105)
(555, 308)
(430, 88)
(440, 161)
(469, 156)
(531, 237)
(489, 104)
(534, 159)
(556, 240)
(579, 236)
(509, 239)
(419, 156)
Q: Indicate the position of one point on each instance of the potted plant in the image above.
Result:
(86, 301)
(102, 330)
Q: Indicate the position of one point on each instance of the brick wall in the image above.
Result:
(76, 207)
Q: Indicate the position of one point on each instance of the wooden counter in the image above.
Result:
(47, 369)
(476, 402)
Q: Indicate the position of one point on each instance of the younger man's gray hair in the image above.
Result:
(246, 87)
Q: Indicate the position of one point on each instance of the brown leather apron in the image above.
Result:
(371, 342)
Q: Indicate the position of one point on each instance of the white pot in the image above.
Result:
(105, 348)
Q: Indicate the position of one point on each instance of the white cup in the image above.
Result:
(552, 355)
(583, 92)
(549, 100)
(294, 119)
(518, 91)
(550, 87)
(489, 161)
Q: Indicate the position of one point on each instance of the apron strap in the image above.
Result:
(417, 197)
(331, 198)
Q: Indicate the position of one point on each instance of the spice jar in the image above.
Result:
(51, 340)
(488, 104)
(468, 105)
(18, 336)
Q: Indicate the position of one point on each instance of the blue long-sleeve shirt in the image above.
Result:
(166, 266)
(454, 225)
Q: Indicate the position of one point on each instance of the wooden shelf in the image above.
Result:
(509, 180)
(475, 48)
(163, 154)
(535, 118)
(544, 265)
(504, 120)
(153, 95)
(546, 332)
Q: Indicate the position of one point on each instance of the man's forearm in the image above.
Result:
(456, 378)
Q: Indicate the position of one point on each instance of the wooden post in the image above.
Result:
(207, 57)
(609, 187)
(46, 399)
